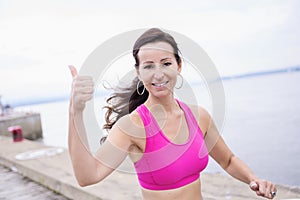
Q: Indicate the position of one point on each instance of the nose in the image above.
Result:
(158, 74)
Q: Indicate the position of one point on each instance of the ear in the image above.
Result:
(179, 66)
(138, 73)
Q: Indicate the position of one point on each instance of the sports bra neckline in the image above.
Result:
(162, 132)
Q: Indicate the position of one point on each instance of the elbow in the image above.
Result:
(87, 176)
(83, 182)
(82, 179)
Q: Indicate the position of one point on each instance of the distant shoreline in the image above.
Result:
(64, 97)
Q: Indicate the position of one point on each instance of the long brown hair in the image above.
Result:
(124, 100)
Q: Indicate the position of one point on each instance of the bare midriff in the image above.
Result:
(191, 191)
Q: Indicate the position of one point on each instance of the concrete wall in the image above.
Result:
(30, 123)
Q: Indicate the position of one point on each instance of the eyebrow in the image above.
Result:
(160, 60)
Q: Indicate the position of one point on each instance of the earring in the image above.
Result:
(137, 88)
(181, 84)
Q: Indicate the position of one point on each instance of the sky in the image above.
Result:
(39, 39)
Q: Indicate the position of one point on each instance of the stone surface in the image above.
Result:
(30, 123)
(55, 172)
(14, 186)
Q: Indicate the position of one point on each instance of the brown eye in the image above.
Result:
(167, 64)
(148, 66)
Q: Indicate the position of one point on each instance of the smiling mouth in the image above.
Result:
(160, 84)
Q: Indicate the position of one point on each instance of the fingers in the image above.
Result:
(73, 71)
(261, 189)
(273, 190)
(268, 191)
(253, 185)
(82, 90)
(264, 188)
(81, 100)
(83, 82)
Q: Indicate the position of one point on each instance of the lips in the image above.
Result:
(160, 84)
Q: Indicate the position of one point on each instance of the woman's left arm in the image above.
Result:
(234, 166)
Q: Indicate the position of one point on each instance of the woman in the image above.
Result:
(167, 140)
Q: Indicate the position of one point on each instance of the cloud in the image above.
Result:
(239, 36)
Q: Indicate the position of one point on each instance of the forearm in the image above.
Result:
(240, 170)
(236, 167)
(84, 163)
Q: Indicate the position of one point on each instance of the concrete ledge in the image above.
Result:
(56, 173)
(30, 123)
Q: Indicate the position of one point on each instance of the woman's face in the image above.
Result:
(158, 68)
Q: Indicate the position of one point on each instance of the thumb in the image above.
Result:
(254, 186)
(73, 71)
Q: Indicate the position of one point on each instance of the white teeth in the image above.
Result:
(160, 84)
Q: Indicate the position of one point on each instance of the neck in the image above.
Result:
(167, 104)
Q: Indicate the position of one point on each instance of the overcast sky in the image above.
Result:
(39, 39)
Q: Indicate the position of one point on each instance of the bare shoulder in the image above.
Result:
(126, 131)
(131, 124)
(202, 116)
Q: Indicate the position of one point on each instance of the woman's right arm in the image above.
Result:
(90, 169)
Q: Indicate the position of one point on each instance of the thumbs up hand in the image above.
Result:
(82, 90)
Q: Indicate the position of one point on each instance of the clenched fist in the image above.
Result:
(82, 91)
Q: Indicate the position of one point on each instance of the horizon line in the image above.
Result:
(64, 97)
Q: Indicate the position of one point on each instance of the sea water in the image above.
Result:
(261, 126)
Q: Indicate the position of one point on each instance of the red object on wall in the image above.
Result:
(16, 133)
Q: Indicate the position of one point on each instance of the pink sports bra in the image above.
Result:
(165, 165)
